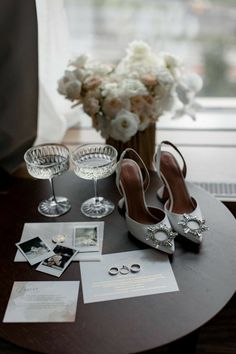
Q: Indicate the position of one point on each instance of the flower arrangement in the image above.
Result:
(125, 98)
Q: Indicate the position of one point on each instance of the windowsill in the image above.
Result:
(212, 127)
(208, 143)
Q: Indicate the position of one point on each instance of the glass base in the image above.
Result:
(97, 207)
(52, 209)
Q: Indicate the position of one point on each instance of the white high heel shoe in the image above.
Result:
(148, 224)
(183, 210)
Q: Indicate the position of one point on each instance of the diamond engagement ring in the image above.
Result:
(124, 270)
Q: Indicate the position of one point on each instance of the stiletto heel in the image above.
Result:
(183, 210)
(143, 171)
(162, 192)
(148, 224)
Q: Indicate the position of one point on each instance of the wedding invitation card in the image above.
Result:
(127, 274)
(42, 301)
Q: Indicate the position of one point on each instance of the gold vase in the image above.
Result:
(143, 143)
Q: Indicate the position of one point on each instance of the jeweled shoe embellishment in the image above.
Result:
(153, 230)
(196, 232)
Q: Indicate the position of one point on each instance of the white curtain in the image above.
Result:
(54, 53)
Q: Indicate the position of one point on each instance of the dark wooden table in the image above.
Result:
(205, 276)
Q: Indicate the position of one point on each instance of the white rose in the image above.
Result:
(164, 78)
(69, 76)
(185, 95)
(186, 91)
(91, 105)
(124, 126)
(187, 88)
(110, 89)
(139, 60)
(79, 73)
(191, 82)
(73, 89)
(80, 61)
(138, 50)
(112, 105)
(131, 88)
(98, 69)
(172, 63)
(166, 102)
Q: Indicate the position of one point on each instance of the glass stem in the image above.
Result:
(95, 182)
(52, 189)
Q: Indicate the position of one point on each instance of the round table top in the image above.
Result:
(205, 275)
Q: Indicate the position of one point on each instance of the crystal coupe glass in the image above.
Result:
(46, 162)
(94, 162)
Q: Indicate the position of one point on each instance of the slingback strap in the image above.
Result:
(157, 158)
(137, 158)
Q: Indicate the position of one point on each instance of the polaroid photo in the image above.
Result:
(56, 264)
(86, 239)
(35, 250)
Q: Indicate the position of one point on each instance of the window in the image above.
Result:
(201, 32)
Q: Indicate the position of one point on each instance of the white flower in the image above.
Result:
(164, 78)
(112, 105)
(143, 106)
(69, 85)
(124, 126)
(91, 105)
(138, 50)
(98, 69)
(125, 98)
(92, 83)
(191, 82)
(131, 87)
(79, 73)
(185, 95)
(172, 64)
(124, 88)
(139, 60)
(110, 89)
(73, 89)
(80, 61)
(186, 90)
(68, 77)
(70, 88)
(188, 86)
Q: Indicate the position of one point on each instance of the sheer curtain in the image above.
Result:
(54, 53)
